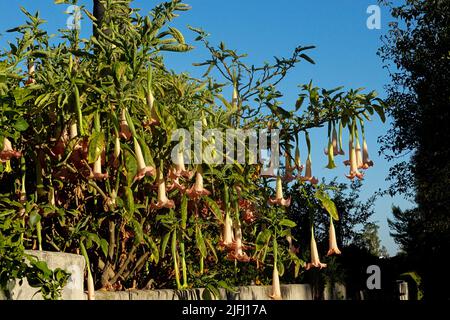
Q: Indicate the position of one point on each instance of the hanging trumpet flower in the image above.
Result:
(315, 261)
(163, 201)
(228, 236)
(308, 171)
(31, 73)
(97, 172)
(288, 176)
(143, 169)
(297, 159)
(238, 253)
(340, 150)
(276, 289)
(8, 152)
(332, 240)
(333, 140)
(154, 120)
(279, 200)
(354, 172)
(366, 162)
(197, 190)
(124, 128)
(359, 160)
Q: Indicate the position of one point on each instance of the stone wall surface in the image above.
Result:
(70, 262)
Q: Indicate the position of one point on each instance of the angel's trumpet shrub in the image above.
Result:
(124, 128)
(315, 261)
(279, 200)
(333, 247)
(308, 173)
(292, 248)
(197, 190)
(143, 169)
(8, 152)
(163, 201)
(366, 161)
(276, 289)
(354, 172)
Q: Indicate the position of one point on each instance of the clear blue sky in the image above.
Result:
(345, 55)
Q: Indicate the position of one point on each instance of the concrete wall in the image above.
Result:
(70, 262)
(288, 292)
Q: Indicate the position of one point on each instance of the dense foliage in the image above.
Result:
(417, 51)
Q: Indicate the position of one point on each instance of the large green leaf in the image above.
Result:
(200, 241)
(328, 204)
(263, 238)
(96, 146)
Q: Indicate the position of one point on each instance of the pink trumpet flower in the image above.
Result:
(239, 253)
(8, 152)
(276, 289)
(354, 172)
(315, 261)
(31, 74)
(97, 172)
(179, 170)
(308, 173)
(143, 169)
(124, 128)
(297, 161)
(267, 173)
(90, 285)
(366, 161)
(279, 200)
(163, 201)
(332, 240)
(228, 236)
(197, 190)
(154, 117)
(359, 160)
(334, 142)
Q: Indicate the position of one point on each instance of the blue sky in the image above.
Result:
(345, 55)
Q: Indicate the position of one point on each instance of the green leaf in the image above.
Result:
(22, 95)
(34, 219)
(287, 223)
(380, 112)
(215, 209)
(200, 241)
(307, 58)
(21, 125)
(164, 242)
(184, 204)
(104, 245)
(96, 146)
(263, 238)
(328, 204)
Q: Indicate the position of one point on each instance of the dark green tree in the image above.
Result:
(416, 51)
